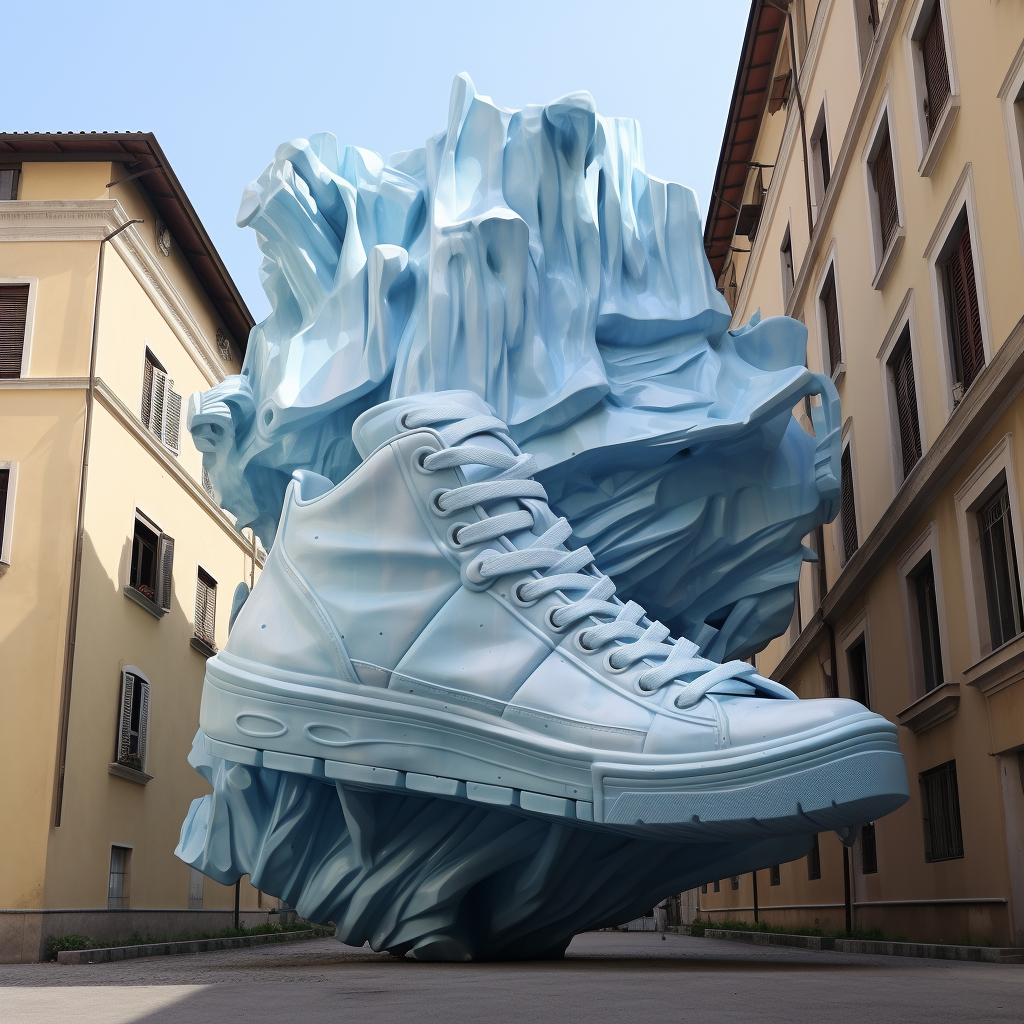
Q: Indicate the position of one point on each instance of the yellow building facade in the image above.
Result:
(871, 186)
(117, 567)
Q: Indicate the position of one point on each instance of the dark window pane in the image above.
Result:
(143, 570)
(964, 311)
(814, 859)
(847, 506)
(718, 886)
(868, 850)
(936, 70)
(830, 306)
(999, 564)
(902, 368)
(857, 657)
(735, 882)
(9, 177)
(823, 156)
(940, 801)
(5, 480)
(773, 875)
(928, 625)
(13, 315)
(885, 187)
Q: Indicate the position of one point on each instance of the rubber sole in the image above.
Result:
(826, 779)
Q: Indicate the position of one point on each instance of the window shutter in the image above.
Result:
(9, 184)
(906, 407)
(206, 607)
(165, 565)
(826, 161)
(143, 721)
(172, 417)
(965, 313)
(5, 481)
(847, 508)
(13, 316)
(157, 402)
(936, 70)
(124, 726)
(831, 305)
(885, 186)
(147, 392)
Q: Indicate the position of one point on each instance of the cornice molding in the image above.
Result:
(90, 220)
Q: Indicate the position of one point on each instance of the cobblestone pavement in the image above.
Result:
(606, 976)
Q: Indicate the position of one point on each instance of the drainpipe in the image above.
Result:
(76, 564)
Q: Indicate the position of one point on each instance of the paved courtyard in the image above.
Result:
(606, 976)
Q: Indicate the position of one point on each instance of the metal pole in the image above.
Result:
(846, 889)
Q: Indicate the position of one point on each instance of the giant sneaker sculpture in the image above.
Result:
(497, 369)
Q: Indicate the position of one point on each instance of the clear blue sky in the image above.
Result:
(222, 84)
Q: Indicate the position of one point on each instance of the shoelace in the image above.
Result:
(627, 625)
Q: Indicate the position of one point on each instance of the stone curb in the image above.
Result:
(932, 951)
(111, 953)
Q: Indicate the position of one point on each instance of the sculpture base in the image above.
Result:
(438, 879)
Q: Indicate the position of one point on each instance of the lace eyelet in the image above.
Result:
(517, 599)
(435, 496)
(453, 535)
(580, 645)
(400, 421)
(420, 456)
(549, 621)
(609, 667)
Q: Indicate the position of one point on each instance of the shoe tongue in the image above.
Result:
(380, 424)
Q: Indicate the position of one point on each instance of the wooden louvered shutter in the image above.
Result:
(143, 722)
(172, 417)
(124, 726)
(147, 392)
(830, 303)
(13, 316)
(157, 402)
(847, 507)
(965, 314)
(165, 565)
(906, 406)
(206, 607)
(936, 70)
(885, 186)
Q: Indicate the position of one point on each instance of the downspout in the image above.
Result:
(76, 564)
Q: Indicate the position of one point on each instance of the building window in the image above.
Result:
(867, 26)
(152, 565)
(788, 277)
(161, 404)
(704, 889)
(821, 167)
(883, 176)
(963, 310)
(814, 860)
(8, 478)
(830, 315)
(857, 659)
(718, 886)
(928, 624)
(901, 376)
(206, 608)
(868, 850)
(999, 565)
(133, 720)
(9, 178)
(936, 69)
(120, 877)
(734, 882)
(847, 506)
(195, 890)
(773, 875)
(940, 800)
(13, 320)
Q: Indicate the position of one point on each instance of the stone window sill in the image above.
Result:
(934, 707)
(122, 771)
(889, 259)
(1000, 669)
(144, 602)
(200, 645)
(934, 148)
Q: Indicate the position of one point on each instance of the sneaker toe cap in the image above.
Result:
(752, 720)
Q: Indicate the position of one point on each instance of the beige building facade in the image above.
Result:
(117, 567)
(871, 186)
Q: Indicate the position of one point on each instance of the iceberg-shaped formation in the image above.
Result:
(529, 257)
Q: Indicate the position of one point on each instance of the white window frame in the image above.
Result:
(926, 544)
(975, 490)
(929, 149)
(838, 544)
(30, 317)
(859, 627)
(883, 261)
(906, 317)
(1013, 123)
(962, 196)
(7, 539)
(154, 607)
(819, 311)
(821, 127)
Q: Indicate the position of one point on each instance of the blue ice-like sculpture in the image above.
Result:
(528, 256)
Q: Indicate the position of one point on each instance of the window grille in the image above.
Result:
(936, 70)
(830, 306)
(13, 318)
(928, 625)
(847, 505)
(868, 849)
(940, 799)
(999, 566)
(885, 187)
(152, 564)
(814, 859)
(133, 720)
(902, 369)
(161, 404)
(964, 311)
(206, 607)
(117, 887)
(857, 658)
(9, 178)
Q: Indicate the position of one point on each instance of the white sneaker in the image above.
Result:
(422, 626)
